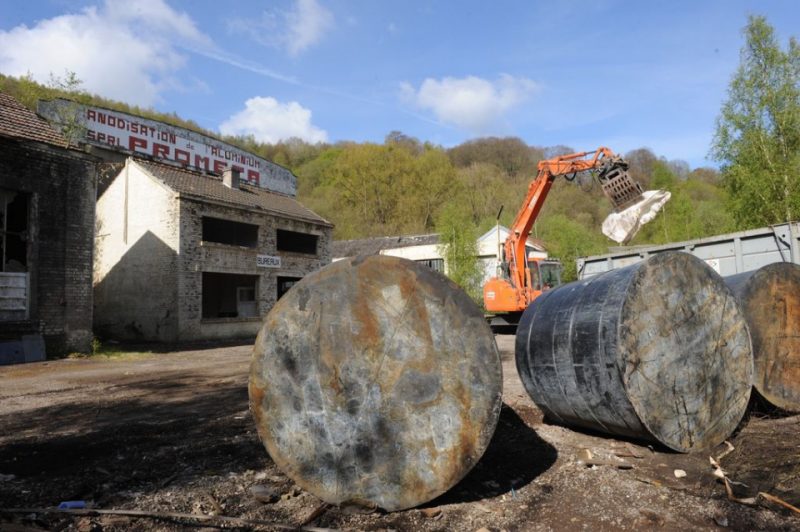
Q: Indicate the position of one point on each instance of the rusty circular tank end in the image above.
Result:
(375, 381)
(770, 300)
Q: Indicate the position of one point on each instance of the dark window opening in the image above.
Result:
(228, 295)
(13, 231)
(436, 265)
(297, 242)
(285, 283)
(230, 232)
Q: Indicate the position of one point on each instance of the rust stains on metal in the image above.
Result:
(658, 350)
(375, 380)
(770, 300)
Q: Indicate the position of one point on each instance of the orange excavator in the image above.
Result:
(521, 280)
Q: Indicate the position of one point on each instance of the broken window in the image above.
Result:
(297, 242)
(230, 232)
(13, 231)
(285, 283)
(436, 265)
(227, 295)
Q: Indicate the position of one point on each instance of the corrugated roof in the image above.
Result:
(203, 186)
(17, 121)
(373, 246)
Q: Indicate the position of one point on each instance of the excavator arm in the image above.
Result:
(611, 172)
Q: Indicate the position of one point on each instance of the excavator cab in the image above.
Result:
(548, 274)
(544, 274)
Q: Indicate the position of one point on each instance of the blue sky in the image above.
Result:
(583, 74)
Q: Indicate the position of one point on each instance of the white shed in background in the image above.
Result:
(490, 247)
(425, 248)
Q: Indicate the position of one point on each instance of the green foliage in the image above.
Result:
(567, 239)
(29, 92)
(110, 351)
(511, 155)
(406, 186)
(758, 131)
(458, 245)
(696, 209)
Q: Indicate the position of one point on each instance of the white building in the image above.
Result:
(425, 248)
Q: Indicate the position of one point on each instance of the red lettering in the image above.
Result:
(112, 140)
(90, 134)
(182, 156)
(219, 166)
(91, 115)
(121, 123)
(160, 150)
(136, 142)
(253, 176)
(201, 162)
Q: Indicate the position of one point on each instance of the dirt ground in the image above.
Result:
(170, 432)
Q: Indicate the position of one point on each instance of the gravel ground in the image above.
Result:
(170, 433)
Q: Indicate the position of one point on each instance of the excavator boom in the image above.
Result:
(514, 291)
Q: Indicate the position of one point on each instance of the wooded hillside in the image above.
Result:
(404, 185)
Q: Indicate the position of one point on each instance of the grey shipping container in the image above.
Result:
(728, 254)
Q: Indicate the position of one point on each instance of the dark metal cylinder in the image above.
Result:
(375, 381)
(658, 351)
(770, 300)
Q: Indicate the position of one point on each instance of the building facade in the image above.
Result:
(182, 255)
(426, 249)
(47, 195)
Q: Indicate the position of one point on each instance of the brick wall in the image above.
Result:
(150, 259)
(197, 257)
(62, 187)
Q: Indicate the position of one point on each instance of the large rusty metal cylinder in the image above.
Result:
(657, 351)
(375, 381)
(770, 300)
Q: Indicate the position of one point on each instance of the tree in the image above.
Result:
(757, 138)
(640, 165)
(510, 154)
(458, 244)
(567, 239)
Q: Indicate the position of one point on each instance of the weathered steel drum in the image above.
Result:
(770, 300)
(375, 381)
(657, 351)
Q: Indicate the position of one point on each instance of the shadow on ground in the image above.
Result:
(171, 431)
(514, 458)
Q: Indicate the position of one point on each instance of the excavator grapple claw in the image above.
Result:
(618, 186)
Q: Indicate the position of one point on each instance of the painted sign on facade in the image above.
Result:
(133, 134)
(268, 261)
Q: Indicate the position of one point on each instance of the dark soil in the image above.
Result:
(171, 433)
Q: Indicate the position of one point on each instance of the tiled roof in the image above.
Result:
(17, 121)
(197, 185)
(373, 246)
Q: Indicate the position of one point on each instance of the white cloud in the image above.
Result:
(471, 103)
(122, 50)
(295, 31)
(268, 120)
